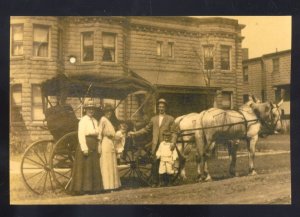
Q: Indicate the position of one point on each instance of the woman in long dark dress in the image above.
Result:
(86, 176)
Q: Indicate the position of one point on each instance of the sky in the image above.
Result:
(265, 34)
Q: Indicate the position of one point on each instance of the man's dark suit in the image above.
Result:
(157, 131)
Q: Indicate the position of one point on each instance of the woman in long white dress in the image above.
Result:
(108, 159)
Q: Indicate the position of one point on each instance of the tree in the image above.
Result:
(206, 59)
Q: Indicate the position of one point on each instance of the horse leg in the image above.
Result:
(180, 162)
(251, 148)
(207, 175)
(232, 149)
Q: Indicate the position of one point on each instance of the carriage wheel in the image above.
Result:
(35, 167)
(62, 158)
(136, 166)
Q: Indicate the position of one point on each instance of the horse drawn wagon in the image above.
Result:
(47, 164)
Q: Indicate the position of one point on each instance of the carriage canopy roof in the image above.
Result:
(96, 85)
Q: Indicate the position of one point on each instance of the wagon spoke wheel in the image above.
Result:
(127, 167)
(35, 167)
(145, 161)
(62, 158)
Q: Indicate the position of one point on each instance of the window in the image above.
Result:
(40, 41)
(37, 106)
(17, 40)
(87, 51)
(208, 57)
(60, 45)
(276, 65)
(16, 103)
(170, 49)
(109, 47)
(245, 98)
(245, 74)
(226, 100)
(282, 92)
(225, 57)
(159, 45)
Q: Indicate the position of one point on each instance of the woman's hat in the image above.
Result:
(108, 107)
(89, 104)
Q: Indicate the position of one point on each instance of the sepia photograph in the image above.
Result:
(121, 110)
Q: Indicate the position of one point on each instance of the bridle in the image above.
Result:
(271, 123)
(272, 117)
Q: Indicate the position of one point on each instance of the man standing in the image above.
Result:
(157, 125)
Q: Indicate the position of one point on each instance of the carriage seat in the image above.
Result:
(61, 119)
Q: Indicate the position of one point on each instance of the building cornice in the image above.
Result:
(183, 32)
(193, 23)
(277, 53)
(95, 19)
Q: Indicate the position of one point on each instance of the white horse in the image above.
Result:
(225, 126)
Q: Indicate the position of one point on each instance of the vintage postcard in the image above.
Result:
(150, 110)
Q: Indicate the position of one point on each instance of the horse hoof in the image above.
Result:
(253, 173)
(208, 178)
(205, 179)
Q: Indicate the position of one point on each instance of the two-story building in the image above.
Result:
(268, 78)
(193, 62)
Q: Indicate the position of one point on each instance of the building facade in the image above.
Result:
(192, 62)
(269, 77)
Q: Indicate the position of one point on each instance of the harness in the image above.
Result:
(271, 125)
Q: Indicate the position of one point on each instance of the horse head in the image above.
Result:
(269, 114)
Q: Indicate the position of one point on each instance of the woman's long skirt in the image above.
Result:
(86, 175)
(108, 164)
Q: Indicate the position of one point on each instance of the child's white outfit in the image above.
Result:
(167, 158)
(119, 141)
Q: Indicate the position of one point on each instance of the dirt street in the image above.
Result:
(261, 189)
(272, 185)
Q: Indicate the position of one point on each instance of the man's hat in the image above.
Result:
(89, 104)
(108, 107)
(161, 100)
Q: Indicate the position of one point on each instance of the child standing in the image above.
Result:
(120, 138)
(167, 157)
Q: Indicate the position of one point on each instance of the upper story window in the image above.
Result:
(37, 105)
(87, 44)
(16, 103)
(171, 49)
(109, 47)
(225, 57)
(17, 39)
(245, 73)
(40, 41)
(208, 57)
(159, 48)
(276, 65)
